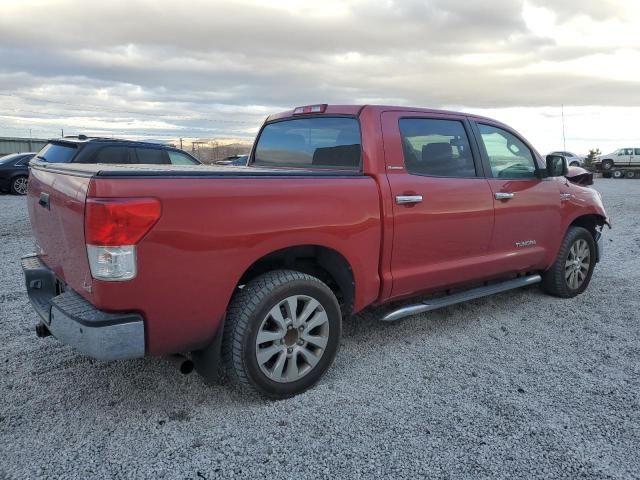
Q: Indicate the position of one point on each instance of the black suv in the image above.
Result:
(108, 150)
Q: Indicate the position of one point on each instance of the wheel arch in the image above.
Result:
(590, 222)
(322, 262)
(15, 175)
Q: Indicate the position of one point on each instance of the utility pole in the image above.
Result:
(564, 138)
(181, 144)
(62, 132)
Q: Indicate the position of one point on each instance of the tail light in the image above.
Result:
(310, 109)
(113, 227)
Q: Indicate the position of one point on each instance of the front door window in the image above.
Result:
(508, 156)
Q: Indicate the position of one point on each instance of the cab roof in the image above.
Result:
(356, 110)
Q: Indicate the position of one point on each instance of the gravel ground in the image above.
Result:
(518, 385)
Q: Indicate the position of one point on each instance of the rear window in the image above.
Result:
(57, 153)
(320, 142)
(179, 158)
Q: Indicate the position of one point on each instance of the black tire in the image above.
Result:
(630, 174)
(19, 185)
(554, 280)
(246, 313)
(607, 164)
(606, 175)
(618, 174)
(574, 164)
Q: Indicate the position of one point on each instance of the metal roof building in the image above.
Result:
(20, 145)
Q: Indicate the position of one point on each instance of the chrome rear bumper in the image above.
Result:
(77, 323)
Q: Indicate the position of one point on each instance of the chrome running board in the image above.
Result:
(434, 304)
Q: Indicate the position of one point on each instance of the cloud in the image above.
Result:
(206, 68)
(597, 9)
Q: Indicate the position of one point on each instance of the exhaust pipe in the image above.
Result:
(184, 364)
(42, 331)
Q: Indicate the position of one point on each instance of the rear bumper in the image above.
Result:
(77, 323)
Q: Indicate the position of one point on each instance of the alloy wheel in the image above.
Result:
(577, 265)
(20, 185)
(292, 338)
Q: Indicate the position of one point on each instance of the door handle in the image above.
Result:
(408, 199)
(44, 200)
(504, 195)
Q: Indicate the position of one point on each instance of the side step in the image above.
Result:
(472, 294)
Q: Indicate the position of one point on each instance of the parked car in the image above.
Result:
(623, 157)
(14, 172)
(234, 161)
(341, 207)
(572, 159)
(108, 150)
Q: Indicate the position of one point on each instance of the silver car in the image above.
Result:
(572, 159)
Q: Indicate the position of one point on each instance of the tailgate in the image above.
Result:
(56, 202)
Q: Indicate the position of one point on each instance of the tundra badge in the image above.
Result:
(526, 243)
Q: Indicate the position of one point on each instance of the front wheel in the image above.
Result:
(618, 174)
(571, 272)
(281, 333)
(607, 164)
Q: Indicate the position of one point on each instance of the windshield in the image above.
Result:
(57, 153)
(319, 142)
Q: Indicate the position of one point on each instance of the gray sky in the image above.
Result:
(167, 69)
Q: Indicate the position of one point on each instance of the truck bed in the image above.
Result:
(215, 222)
(186, 171)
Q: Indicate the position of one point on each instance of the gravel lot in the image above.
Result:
(518, 385)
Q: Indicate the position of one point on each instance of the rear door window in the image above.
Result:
(637, 151)
(152, 156)
(320, 142)
(112, 154)
(23, 162)
(57, 153)
(438, 148)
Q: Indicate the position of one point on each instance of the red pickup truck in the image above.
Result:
(250, 270)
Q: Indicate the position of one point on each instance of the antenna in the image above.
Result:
(564, 138)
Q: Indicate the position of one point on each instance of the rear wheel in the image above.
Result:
(630, 174)
(606, 175)
(281, 333)
(618, 174)
(571, 272)
(19, 185)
